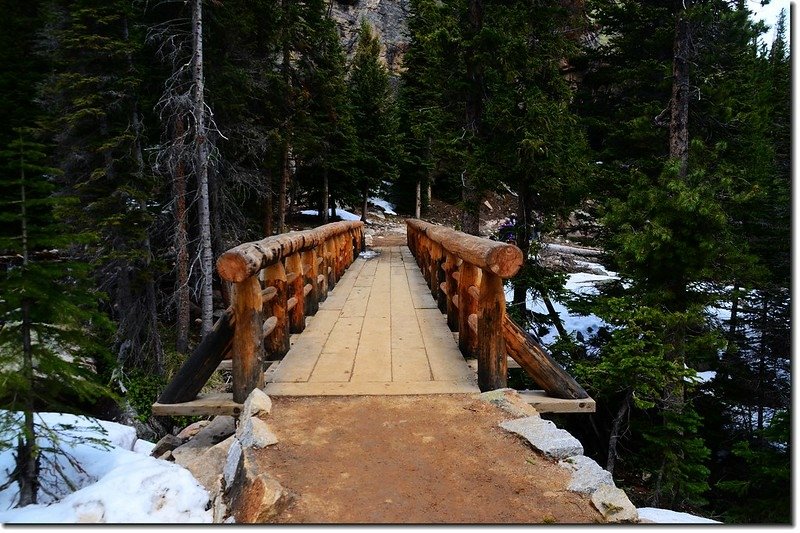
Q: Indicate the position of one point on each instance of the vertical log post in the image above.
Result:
(309, 261)
(297, 316)
(276, 344)
(248, 351)
(330, 263)
(322, 273)
(492, 362)
(446, 304)
(467, 305)
(433, 268)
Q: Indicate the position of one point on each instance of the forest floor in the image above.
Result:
(412, 459)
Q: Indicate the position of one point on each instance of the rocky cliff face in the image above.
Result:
(387, 17)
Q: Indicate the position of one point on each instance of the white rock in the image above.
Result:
(256, 404)
(614, 504)
(255, 433)
(545, 436)
(509, 401)
(587, 475)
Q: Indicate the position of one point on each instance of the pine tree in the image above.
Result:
(51, 339)
(374, 117)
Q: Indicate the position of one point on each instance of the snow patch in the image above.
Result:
(115, 483)
(387, 207)
(341, 213)
(665, 516)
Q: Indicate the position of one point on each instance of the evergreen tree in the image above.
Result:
(51, 333)
(374, 117)
(94, 118)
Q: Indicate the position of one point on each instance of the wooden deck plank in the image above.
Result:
(546, 404)
(373, 361)
(363, 388)
(335, 362)
(448, 364)
(356, 303)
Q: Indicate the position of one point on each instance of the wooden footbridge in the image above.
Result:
(310, 317)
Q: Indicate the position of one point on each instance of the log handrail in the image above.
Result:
(276, 281)
(465, 274)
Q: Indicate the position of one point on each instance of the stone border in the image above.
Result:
(220, 454)
(587, 477)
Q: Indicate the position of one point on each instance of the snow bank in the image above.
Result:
(387, 207)
(665, 516)
(341, 213)
(115, 484)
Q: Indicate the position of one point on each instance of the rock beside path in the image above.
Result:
(545, 436)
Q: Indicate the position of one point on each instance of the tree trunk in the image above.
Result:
(283, 189)
(181, 246)
(615, 429)
(679, 121)
(762, 367)
(418, 200)
(471, 194)
(324, 209)
(364, 205)
(523, 241)
(27, 459)
(268, 206)
(201, 169)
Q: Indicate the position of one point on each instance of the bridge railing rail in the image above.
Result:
(465, 274)
(276, 282)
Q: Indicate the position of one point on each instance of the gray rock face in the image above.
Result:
(193, 429)
(215, 432)
(388, 18)
(166, 444)
(232, 462)
(205, 464)
(614, 505)
(587, 475)
(545, 436)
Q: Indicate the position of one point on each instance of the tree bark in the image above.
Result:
(679, 121)
(418, 200)
(364, 205)
(268, 206)
(615, 429)
(471, 193)
(324, 210)
(523, 241)
(201, 169)
(27, 459)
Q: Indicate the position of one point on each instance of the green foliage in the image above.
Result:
(374, 115)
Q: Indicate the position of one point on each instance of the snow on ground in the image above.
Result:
(387, 207)
(579, 283)
(341, 213)
(665, 516)
(116, 483)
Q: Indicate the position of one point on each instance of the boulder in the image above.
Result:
(509, 401)
(215, 432)
(614, 505)
(166, 444)
(587, 475)
(544, 436)
(256, 404)
(255, 433)
(192, 429)
(206, 464)
(255, 497)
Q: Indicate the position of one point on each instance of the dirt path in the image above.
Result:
(412, 459)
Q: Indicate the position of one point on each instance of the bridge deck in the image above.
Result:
(379, 332)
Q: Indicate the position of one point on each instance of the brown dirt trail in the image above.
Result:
(412, 459)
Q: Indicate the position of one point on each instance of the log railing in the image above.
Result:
(276, 283)
(465, 274)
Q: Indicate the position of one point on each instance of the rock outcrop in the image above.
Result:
(388, 18)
